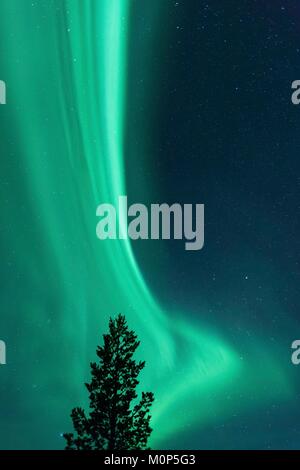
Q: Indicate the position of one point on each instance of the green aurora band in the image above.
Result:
(62, 151)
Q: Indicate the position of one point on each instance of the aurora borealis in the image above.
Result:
(176, 101)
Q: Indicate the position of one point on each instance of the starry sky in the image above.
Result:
(183, 101)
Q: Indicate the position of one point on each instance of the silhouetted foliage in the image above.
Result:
(116, 421)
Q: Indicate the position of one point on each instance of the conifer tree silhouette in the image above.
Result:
(115, 421)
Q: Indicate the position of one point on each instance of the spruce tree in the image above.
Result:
(116, 421)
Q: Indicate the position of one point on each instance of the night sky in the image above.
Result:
(183, 101)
